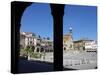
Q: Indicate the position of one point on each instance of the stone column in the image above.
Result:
(17, 9)
(57, 11)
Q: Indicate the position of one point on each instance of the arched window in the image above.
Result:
(64, 48)
(33, 48)
(42, 50)
(38, 49)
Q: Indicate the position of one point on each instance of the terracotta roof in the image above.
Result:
(83, 40)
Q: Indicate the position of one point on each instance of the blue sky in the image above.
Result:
(82, 19)
(37, 18)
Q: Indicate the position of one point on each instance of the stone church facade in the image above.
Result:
(68, 40)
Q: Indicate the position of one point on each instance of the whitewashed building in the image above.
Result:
(37, 43)
(26, 39)
(40, 44)
(91, 46)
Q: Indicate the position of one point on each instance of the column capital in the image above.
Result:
(57, 9)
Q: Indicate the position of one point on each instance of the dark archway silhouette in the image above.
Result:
(57, 11)
(17, 9)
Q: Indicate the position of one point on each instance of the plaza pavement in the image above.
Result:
(71, 61)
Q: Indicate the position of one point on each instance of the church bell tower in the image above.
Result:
(70, 30)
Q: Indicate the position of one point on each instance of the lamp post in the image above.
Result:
(57, 11)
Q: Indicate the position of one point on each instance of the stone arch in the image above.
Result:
(64, 48)
(17, 9)
(33, 48)
(57, 11)
(38, 50)
(42, 49)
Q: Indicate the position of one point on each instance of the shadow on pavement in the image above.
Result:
(31, 66)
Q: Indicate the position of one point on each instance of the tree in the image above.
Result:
(33, 48)
(48, 38)
(39, 36)
(29, 51)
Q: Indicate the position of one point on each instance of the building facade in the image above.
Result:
(26, 39)
(85, 44)
(68, 40)
(47, 45)
(79, 45)
(91, 46)
(39, 44)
